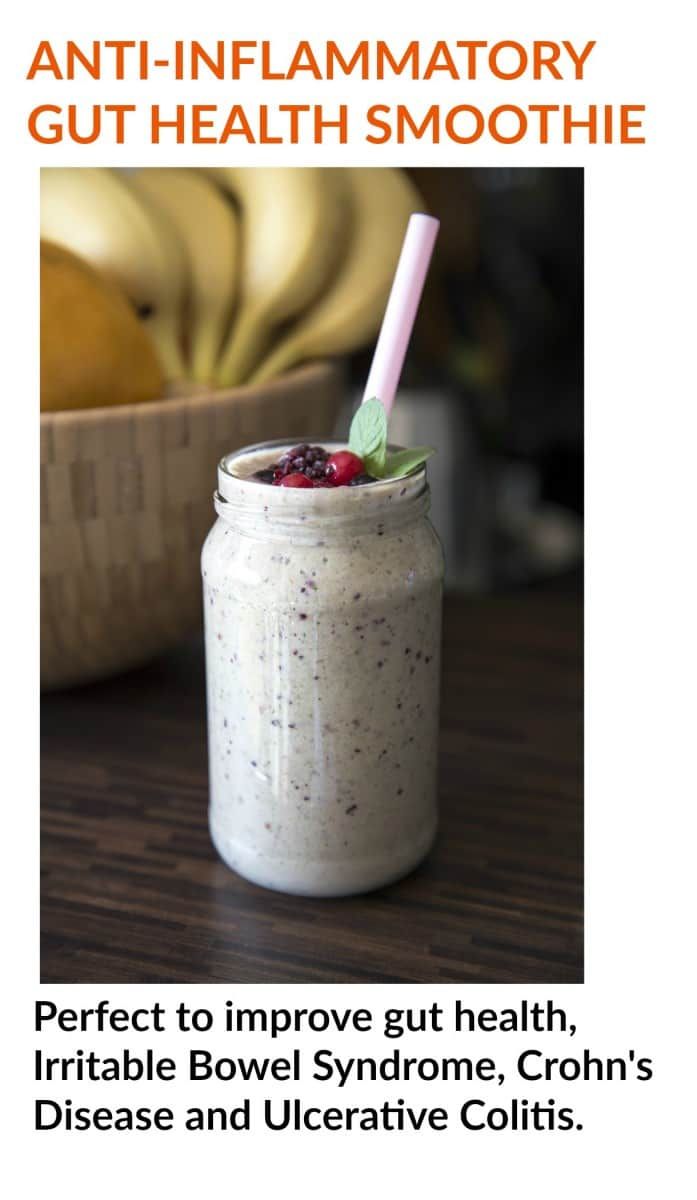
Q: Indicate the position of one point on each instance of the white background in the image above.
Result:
(640, 405)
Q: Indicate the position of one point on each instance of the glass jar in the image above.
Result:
(322, 619)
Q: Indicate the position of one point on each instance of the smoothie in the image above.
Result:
(322, 617)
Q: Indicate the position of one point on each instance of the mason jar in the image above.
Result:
(322, 626)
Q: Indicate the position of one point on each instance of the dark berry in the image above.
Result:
(265, 476)
(304, 459)
(343, 466)
(295, 480)
(359, 480)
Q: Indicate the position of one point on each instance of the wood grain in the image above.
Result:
(132, 890)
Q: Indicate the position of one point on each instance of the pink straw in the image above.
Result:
(400, 313)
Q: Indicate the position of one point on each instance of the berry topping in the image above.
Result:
(317, 467)
(295, 480)
(343, 466)
(308, 460)
(358, 480)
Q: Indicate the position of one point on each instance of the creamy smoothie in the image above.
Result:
(322, 615)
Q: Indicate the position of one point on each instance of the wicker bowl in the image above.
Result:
(126, 502)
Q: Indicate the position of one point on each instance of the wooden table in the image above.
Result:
(132, 890)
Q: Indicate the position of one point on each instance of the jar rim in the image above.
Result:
(242, 499)
(287, 444)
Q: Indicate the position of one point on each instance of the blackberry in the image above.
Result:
(308, 460)
(358, 480)
(264, 476)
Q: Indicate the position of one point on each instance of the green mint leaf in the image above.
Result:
(374, 464)
(368, 436)
(401, 462)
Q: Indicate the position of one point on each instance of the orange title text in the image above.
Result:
(223, 69)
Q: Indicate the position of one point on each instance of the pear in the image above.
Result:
(94, 350)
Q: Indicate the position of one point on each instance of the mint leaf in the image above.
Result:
(401, 462)
(374, 464)
(368, 439)
(368, 436)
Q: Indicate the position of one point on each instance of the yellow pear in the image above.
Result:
(94, 351)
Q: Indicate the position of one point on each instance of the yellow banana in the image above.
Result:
(295, 223)
(208, 228)
(96, 213)
(349, 312)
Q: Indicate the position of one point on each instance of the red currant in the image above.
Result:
(297, 479)
(343, 466)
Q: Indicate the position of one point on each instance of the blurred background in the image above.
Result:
(185, 313)
(494, 377)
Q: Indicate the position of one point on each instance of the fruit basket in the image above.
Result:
(126, 504)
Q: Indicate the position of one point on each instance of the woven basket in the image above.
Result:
(126, 502)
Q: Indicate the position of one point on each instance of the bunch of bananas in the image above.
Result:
(238, 273)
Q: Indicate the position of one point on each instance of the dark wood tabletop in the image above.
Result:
(132, 890)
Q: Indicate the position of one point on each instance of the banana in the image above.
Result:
(294, 228)
(349, 312)
(96, 213)
(208, 228)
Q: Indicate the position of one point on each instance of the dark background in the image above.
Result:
(499, 338)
